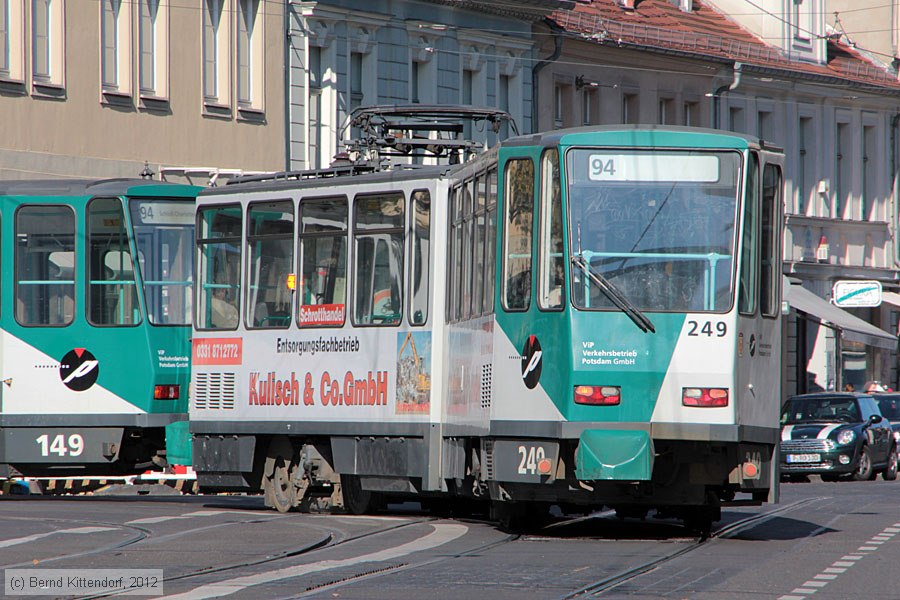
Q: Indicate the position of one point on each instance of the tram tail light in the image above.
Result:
(598, 395)
(704, 397)
(166, 392)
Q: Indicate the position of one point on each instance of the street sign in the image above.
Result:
(856, 294)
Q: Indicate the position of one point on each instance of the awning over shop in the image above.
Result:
(852, 328)
(891, 298)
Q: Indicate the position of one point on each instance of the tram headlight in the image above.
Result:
(598, 395)
(704, 397)
(166, 392)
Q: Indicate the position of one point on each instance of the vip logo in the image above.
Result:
(531, 362)
(79, 369)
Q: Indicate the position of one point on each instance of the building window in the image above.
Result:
(147, 34)
(41, 25)
(736, 119)
(314, 69)
(691, 114)
(805, 175)
(250, 59)
(557, 106)
(153, 42)
(588, 99)
(630, 109)
(869, 191)
(109, 31)
(356, 83)
(12, 41)
(666, 111)
(115, 34)
(4, 38)
(503, 103)
(799, 18)
(216, 81)
(843, 169)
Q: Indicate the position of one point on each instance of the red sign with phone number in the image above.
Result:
(218, 351)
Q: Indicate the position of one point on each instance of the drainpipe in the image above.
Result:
(557, 50)
(735, 81)
(895, 192)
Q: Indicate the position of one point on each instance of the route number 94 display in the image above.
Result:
(657, 166)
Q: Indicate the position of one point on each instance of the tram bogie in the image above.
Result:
(583, 318)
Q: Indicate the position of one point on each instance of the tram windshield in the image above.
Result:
(659, 226)
(164, 236)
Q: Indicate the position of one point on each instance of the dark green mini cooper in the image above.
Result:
(835, 434)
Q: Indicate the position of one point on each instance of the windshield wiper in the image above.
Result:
(613, 293)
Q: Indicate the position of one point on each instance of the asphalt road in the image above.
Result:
(823, 540)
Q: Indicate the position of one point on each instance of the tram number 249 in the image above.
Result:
(61, 445)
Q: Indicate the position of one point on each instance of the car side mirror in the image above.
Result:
(875, 419)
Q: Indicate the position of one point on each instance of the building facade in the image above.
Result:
(832, 109)
(419, 52)
(98, 89)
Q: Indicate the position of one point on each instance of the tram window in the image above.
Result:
(164, 240)
(519, 214)
(770, 254)
(270, 258)
(323, 262)
(467, 259)
(490, 236)
(378, 253)
(420, 255)
(552, 265)
(219, 267)
(45, 265)
(111, 290)
(749, 249)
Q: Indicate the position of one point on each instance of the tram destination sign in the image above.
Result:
(856, 294)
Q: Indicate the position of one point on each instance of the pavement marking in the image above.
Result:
(37, 536)
(840, 566)
(440, 535)
(198, 513)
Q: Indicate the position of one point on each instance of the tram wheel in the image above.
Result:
(520, 517)
(278, 485)
(357, 501)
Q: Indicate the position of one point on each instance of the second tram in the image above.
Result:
(586, 318)
(95, 304)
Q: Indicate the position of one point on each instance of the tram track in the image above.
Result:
(140, 535)
(331, 540)
(607, 583)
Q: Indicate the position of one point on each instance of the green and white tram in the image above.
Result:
(95, 303)
(586, 317)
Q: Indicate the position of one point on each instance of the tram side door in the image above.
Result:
(758, 362)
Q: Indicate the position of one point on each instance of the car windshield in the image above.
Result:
(820, 410)
(890, 407)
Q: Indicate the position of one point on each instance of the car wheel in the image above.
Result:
(890, 473)
(864, 471)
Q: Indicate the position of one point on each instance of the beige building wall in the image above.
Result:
(870, 24)
(71, 127)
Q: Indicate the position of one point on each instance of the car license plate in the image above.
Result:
(804, 458)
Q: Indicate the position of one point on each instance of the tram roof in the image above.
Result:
(96, 187)
(643, 135)
(291, 181)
